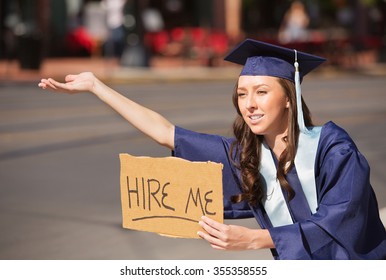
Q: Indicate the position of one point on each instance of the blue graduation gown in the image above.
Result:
(346, 224)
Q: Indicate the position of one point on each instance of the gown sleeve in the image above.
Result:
(195, 146)
(346, 224)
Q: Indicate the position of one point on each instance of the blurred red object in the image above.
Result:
(196, 38)
(218, 42)
(79, 42)
(157, 41)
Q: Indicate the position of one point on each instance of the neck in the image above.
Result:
(276, 143)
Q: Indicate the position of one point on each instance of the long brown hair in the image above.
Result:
(247, 149)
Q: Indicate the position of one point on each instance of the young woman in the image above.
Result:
(308, 187)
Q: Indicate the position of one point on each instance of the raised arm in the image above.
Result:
(147, 121)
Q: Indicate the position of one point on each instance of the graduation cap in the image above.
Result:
(264, 59)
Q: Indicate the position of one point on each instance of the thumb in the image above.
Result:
(70, 78)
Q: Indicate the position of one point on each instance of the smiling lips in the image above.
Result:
(255, 117)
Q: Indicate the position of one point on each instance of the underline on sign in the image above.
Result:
(164, 217)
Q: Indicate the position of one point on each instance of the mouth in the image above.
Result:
(255, 117)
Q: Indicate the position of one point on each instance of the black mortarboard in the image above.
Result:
(260, 58)
(263, 59)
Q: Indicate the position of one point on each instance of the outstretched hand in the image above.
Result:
(73, 83)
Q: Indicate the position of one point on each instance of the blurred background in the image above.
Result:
(351, 33)
(59, 164)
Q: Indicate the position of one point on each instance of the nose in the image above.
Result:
(250, 102)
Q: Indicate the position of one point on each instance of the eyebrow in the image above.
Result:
(254, 86)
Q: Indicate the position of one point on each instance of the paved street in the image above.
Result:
(59, 165)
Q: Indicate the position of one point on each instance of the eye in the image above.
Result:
(241, 94)
(261, 92)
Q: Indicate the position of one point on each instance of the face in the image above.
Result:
(263, 105)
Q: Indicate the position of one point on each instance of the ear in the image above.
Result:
(287, 105)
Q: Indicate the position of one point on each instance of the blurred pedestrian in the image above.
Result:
(115, 18)
(294, 27)
(307, 186)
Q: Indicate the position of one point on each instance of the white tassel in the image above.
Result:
(302, 126)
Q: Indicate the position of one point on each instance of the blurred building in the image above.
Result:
(199, 29)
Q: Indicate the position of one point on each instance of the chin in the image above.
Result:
(257, 131)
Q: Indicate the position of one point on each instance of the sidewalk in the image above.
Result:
(162, 70)
(111, 71)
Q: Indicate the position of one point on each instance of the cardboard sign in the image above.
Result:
(169, 195)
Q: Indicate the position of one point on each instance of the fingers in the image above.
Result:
(51, 83)
(73, 83)
(214, 232)
(42, 84)
(54, 85)
(227, 237)
(212, 227)
(210, 230)
(46, 83)
(214, 242)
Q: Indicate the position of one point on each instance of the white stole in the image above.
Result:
(274, 202)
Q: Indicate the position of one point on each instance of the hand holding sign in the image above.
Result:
(169, 195)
